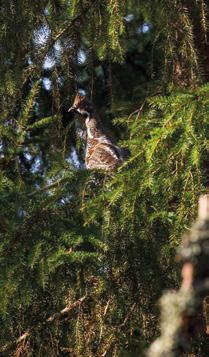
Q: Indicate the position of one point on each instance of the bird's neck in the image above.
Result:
(94, 127)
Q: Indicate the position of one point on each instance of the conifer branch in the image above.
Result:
(66, 311)
(48, 187)
(52, 40)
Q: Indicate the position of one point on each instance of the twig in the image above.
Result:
(137, 111)
(56, 316)
(48, 187)
(67, 309)
(128, 315)
(118, 329)
(106, 307)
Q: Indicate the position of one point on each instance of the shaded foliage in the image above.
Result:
(102, 245)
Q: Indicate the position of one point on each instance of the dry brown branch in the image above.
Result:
(118, 330)
(128, 315)
(67, 310)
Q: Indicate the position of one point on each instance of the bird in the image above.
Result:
(101, 152)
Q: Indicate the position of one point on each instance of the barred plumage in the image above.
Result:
(101, 152)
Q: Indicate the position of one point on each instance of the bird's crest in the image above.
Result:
(79, 100)
(82, 105)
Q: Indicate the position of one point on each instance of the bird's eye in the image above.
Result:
(86, 114)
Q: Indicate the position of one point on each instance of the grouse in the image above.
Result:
(101, 152)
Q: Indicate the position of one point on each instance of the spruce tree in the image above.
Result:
(84, 255)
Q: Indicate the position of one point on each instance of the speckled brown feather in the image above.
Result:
(101, 153)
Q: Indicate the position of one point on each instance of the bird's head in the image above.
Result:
(82, 106)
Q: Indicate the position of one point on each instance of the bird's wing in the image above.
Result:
(103, 156)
